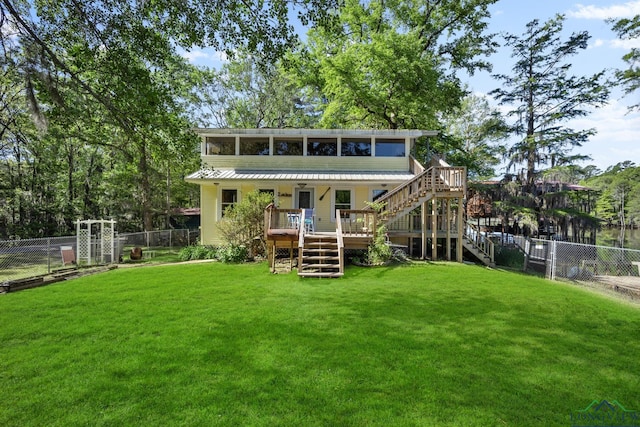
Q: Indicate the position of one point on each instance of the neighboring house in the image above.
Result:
(326, 170)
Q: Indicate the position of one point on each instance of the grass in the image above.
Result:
(215, 344)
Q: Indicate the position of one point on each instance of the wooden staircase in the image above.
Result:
(432, 182)
(320, 255)
(478, 245)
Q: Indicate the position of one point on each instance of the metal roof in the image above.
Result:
(398, 133)
(292, 175)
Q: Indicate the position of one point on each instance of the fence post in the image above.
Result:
(147, 236)
(170, 235)
(553, 259)
(48, 255)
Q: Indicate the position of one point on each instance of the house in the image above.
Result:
(328, 175)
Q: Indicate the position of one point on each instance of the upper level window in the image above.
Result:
(356, 147)
(254, 146)
(322, 147)
(287, 146)
(390, 148)
(221, 145)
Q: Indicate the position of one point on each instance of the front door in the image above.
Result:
(304, 198)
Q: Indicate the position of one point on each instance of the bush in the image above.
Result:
(233, 254)
(189, 253)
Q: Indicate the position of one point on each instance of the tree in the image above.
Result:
(476, 129)
(392, 64)
(250, 94)
(629, 29)
(107, 74)
(545, 97)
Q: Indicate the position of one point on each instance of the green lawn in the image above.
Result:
(214, 344)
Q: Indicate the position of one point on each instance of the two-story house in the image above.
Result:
(328, 175)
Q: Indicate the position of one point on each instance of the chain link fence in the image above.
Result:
(24, 258)
(616, 268)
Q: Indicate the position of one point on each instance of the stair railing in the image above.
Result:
(480, 241)
(433, 180)
(340, 241)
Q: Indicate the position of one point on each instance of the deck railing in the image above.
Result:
(340, 240)
(282, 218)
(480, 241)
(354, 222)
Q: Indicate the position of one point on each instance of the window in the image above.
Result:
(287, 147)
(377, 193)
(322, 147)
(356, 147)
(221, 145)
(342, 201)
(254, 146)
(229, 198)
(269, 192)
(390, 148)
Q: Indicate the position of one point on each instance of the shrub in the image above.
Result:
(233, 254)
(189, 253)
(243, 223)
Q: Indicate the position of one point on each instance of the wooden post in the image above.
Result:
(461, 226)
(447, 224)
(434, 228)
(424, 229)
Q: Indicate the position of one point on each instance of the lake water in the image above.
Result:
(609, 237)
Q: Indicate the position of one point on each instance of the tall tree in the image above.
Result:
(476, 130)
(392, 64)
(106, 74)
(629, 29)
(545, 96)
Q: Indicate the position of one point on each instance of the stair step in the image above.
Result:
(321, 274)
(319, 265)
(320, 258)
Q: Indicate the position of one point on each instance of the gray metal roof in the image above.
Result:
(292, 175)
(398, 133)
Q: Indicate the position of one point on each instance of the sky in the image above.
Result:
(618, 131)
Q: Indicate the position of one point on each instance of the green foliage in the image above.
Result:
(233, 254)
(379, 251)
(197, 252)
(629, 79)
(243, 223)
(389, 65)
(509, 257)
(544, 96)
(618, 190)
(474, 130)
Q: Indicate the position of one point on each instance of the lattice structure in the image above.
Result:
(83, 244)
(96, 241)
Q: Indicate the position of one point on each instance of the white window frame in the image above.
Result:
(333, 200)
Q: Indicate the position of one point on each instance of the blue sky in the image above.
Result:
(618, 137)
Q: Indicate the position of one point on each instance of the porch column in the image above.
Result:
(434, 228)
(461, 226)
(423, 227)
(447, 223)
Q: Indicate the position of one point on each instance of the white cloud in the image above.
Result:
(625, 44)
(623, 10)
(204, 56)
(616, 140)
